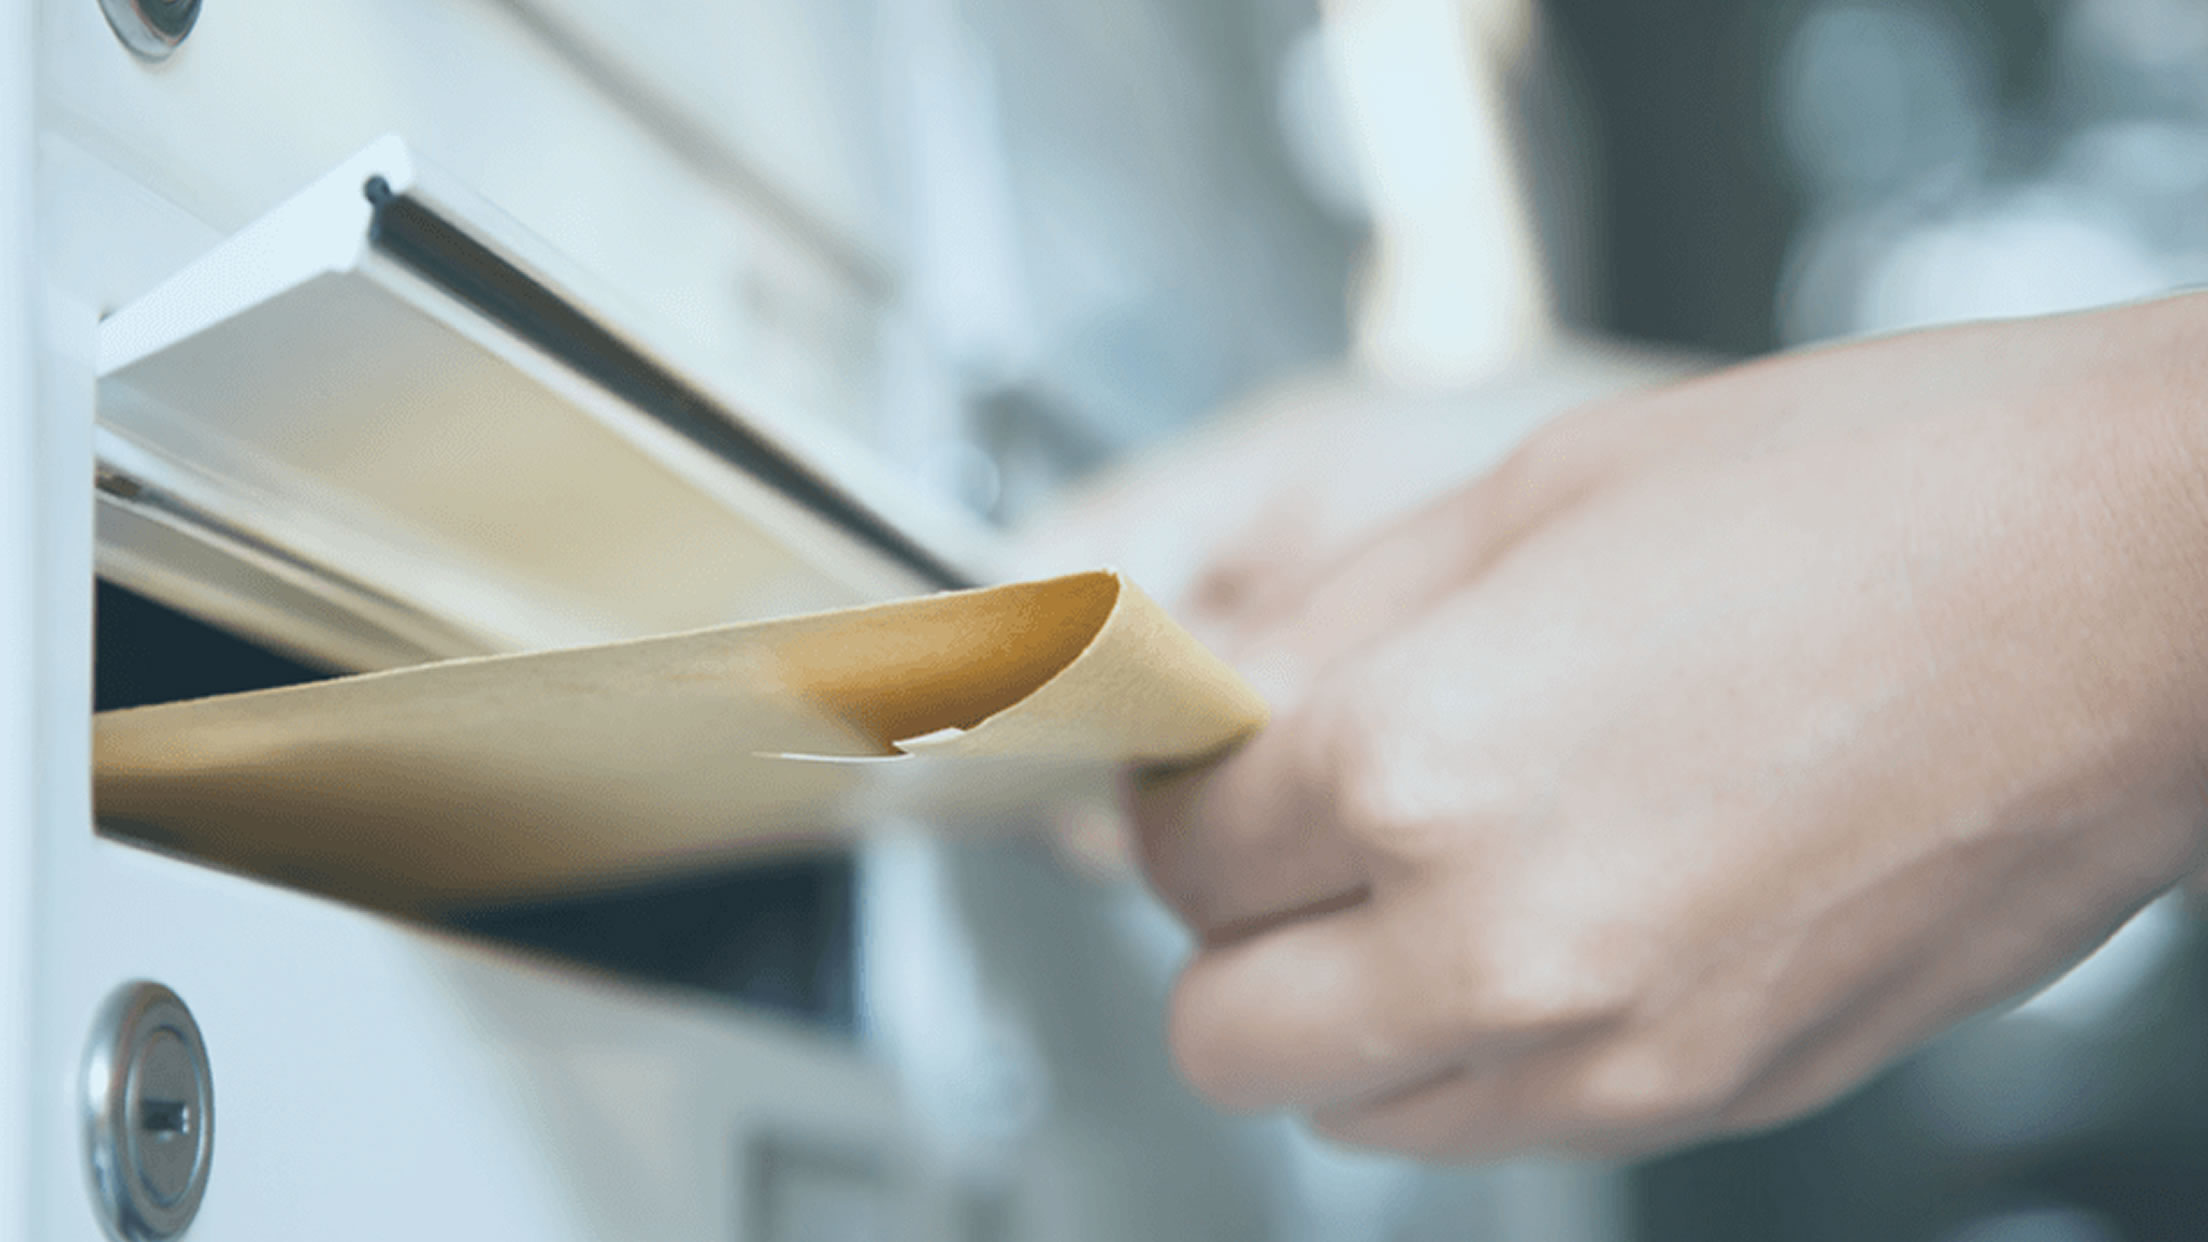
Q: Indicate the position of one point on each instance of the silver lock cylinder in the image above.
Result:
(151, 28)
(149, 1114)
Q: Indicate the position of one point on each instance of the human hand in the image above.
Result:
(1224, 524)
(1716, 749)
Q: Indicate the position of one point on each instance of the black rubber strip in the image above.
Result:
(441, 253)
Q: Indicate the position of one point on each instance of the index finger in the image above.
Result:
(1249, 839)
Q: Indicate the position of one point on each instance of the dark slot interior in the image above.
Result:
(775, 937)
(145, 653)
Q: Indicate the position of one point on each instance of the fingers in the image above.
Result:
(1262, 833)
(1310, 1013)
(1250, 839)
(1250, 574)
(1358, 1003)
(1321, 981)
(1459, 1114)
(1383, 583)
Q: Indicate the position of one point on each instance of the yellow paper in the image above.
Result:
(514, 776)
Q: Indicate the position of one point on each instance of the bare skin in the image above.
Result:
(1714, 750)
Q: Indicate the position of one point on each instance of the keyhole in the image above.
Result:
(165, 1118)
(168, 1130)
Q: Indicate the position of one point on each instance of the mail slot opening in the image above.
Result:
(775, 937)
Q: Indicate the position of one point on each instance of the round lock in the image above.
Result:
(149, 1114)
(151, 28)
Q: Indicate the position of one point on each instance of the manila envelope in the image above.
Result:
(511, 777)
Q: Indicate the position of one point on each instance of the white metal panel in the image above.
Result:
(375, 1082)
(268, 94)
(788, 90)
(19, 630)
